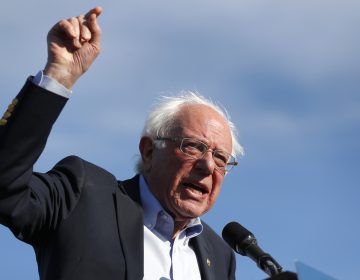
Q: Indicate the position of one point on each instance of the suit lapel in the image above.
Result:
(130, 227)
(204, 256)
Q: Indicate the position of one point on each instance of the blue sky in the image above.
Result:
(288, 73)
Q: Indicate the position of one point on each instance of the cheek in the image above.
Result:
(211, 200)
(214, 195)
(173, 170)
(217, 183)
(165, 165)
(179, 168)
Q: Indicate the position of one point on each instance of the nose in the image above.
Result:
(206, 163)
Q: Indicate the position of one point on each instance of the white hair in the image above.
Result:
(162, 119)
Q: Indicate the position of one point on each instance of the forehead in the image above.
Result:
(205, 123)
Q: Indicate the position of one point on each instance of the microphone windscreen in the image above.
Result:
(234, 234)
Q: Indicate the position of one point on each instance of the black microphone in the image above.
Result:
(245, 244)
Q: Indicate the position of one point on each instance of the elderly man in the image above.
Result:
(81, 221)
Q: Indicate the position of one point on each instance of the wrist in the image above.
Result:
(61, 75)
(51, 85)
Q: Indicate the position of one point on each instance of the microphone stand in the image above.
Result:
(286, 275)
(263, 260)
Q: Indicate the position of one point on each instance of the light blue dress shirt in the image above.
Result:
(164, 257)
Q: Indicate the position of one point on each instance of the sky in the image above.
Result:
(287, 72)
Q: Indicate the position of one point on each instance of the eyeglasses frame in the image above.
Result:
(229, 165)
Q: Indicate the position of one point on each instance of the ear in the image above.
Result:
(146, 147)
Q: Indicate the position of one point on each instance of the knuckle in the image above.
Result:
(98, 49)
(62, 23)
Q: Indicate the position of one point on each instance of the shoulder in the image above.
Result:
(74, 163)
(81, 172)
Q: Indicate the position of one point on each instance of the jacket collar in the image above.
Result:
(130, 226)
(204, 255)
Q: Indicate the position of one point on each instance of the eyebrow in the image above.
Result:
(207, 143)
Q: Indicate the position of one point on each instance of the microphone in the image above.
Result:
(244, 243)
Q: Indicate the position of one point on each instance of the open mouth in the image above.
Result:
(195, 188)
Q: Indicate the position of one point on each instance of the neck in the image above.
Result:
(178, 226)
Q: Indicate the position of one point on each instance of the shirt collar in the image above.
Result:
(159, 221)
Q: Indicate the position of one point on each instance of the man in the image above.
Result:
(81, 221)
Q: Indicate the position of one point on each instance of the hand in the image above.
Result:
(73, 45)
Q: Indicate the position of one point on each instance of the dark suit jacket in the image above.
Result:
(81, 221)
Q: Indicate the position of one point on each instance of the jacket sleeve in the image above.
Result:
(26, 197)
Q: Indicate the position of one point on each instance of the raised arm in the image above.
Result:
(30, 203)
(73, 45)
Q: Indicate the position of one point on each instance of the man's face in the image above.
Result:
(187, 187)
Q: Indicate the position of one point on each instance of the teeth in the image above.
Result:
(197, 191)
(194, 188)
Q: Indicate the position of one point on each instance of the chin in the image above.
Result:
(191, 213)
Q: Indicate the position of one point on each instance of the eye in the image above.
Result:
(221, 158)
(193, 146)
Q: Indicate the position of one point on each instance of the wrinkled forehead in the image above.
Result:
(203, 121)
(199, 110)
